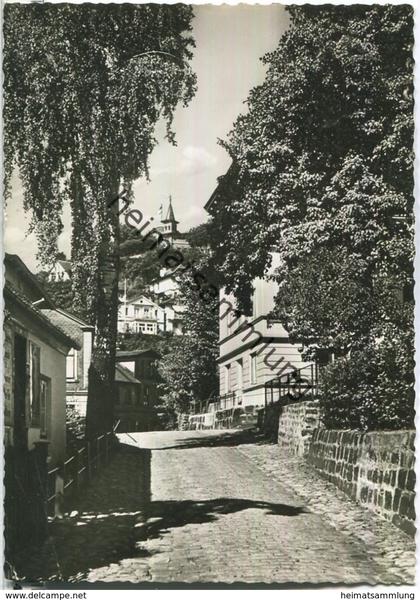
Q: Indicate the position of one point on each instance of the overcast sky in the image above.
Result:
(229, 43)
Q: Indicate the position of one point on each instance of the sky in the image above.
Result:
(229, 43)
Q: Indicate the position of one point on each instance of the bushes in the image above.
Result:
(371, 389)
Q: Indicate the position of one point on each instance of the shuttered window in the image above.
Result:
(35, 383)
(71, 365)
(45, 405)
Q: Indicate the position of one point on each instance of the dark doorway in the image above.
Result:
(20, 431)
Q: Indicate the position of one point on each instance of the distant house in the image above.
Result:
(60, 271)
(35, 354)
(140, 315)
(78, 360)
(137, 380)
(143, 315)
(165, 289)
(174, 316)
(166, 285)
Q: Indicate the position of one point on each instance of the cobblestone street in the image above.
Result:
(218, 509)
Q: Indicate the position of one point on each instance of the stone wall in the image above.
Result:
(376, 469)
(296, 424)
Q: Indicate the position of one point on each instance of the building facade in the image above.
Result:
(137, 399)
(35, 354)
(78, 359)
(140, 315)
(254, 349)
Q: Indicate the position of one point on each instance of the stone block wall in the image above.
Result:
(296, 425)
(376, 469)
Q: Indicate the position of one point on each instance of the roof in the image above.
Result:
(217, 192)
(71, 325)
(130, 354)
(170, 217)
(66, 264)
(140, 297)
(124, 375)
(13, 296)
(14, 262)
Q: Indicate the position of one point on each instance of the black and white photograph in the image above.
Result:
(208, 297)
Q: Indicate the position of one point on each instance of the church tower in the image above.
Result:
(170, 224)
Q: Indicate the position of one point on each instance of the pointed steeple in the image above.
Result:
(170, 217)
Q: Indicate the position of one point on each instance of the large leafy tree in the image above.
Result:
(323, 174)
(84, 87)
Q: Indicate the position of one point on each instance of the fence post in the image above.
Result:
(76, 470)
(89, 461)
(59, 495)
(98, 453)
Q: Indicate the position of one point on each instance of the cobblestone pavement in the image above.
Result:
(217, 509)
(390, 547)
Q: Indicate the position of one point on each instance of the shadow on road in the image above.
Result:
(235, 438)
(99, 529)
(165, 515)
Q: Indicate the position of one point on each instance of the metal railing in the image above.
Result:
(77, 471)
(227, 401)
(294, 386)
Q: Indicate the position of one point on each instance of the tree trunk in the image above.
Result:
(102, 389)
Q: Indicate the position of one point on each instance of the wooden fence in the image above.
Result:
(77, 471)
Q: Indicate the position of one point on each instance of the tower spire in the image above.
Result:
(170, 216)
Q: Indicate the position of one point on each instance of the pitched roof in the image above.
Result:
(14, 297)
(125, 375)
(66, 264)
(140, 297)
(170, 217)
(217, 195)
(16, 264)
(71, 326)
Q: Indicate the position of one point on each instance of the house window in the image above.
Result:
(240, 368)
(35, 383)
(71, 365)
(146, 311)
(137, 311)
(253, 367)
(227, 378)
(45, 404)
(149, 327)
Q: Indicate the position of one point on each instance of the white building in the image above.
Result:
(255, 349)
(140, 315)
(166, 285)
(60, 271)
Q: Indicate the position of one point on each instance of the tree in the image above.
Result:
(323, 173)
(84, 88)
(199, 235)
(189, 367)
